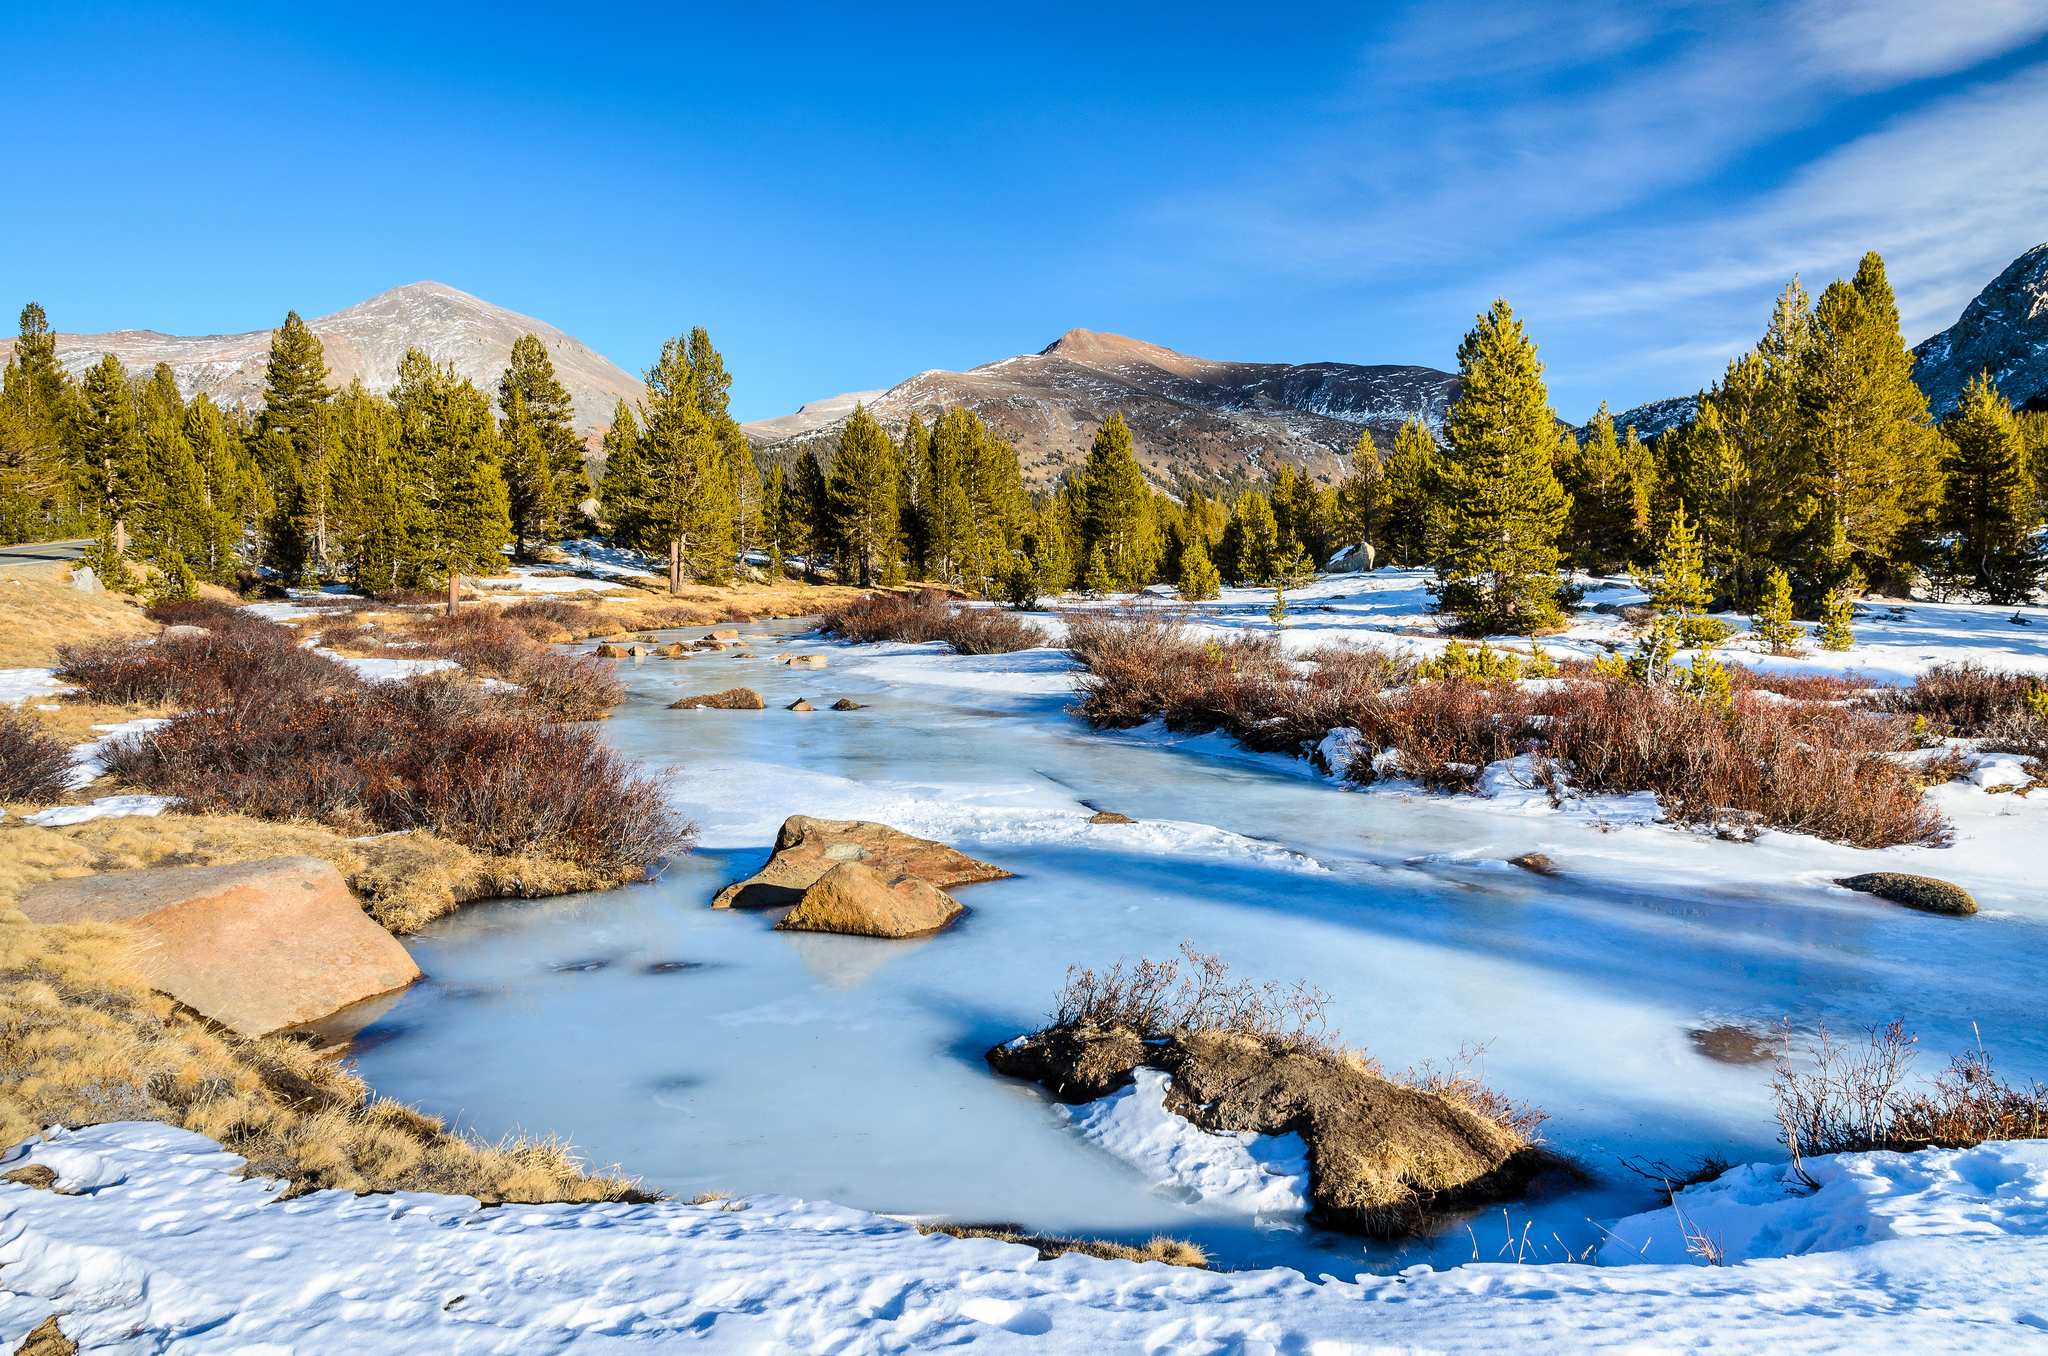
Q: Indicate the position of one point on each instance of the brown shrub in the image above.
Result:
(929, 614)
(488, 644)
(430, 753)
(1964, 698)
(193, 670)
(34, 768)
(1803, 766)
(212, 613)
(1155, 998)
(1802, 687)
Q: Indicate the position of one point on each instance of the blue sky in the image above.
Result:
(845, 196)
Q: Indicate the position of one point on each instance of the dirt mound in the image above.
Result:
(807, 848)
(1382, 1156)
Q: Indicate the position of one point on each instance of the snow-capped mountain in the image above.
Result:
(1195, 415)
(367, 340)
(2004, 330)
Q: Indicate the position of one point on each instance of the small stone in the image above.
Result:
(732, 699)
(725, 635)
(746, 654)
(849, 704)
(800, 704)
(1110, 817)
(636, 651)
(609, 651)
(1535, 861)
(808, 661)
(672, 651)
(806, 848)
(1925, 893)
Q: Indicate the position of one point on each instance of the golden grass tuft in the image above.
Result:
(39, 610)
(1177, 1252)
(84, 1040)
(406, 879)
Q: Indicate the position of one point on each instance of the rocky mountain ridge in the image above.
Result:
(367, 340)
(2004, 330)
(1191, 418)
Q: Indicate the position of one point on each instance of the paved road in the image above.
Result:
(33, 552)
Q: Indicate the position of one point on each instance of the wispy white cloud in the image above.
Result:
(1880, 41)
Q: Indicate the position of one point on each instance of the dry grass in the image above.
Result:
(1811, 766)
(84, 1040)
(1176, 1252)
(929, 614)
(406, 880)
(1195, 993)
(39, 610)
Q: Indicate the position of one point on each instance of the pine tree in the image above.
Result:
(371, 516)
(236, 497)
(448, 447)
(544, 469)
(104, 448)
(1872, 455)
(174, 582)
(294, 384)
(686, 506)
(1772, 623)
(172, 512)
(1045, 544)
(1606, 478)
(862, 494)
(1198, 579)
(1836, 615)
(622, 487)
(1990, 505)
(1680, 583)
(811, 506)
(1115, 492)
(1362, 498)
(773, 524)
(295, 394)
(1503, 508)
(1097, 579)
(1408, 524)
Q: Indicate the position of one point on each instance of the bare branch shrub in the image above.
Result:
(1454, 1079)
(192, 670)
(34, 768)
(560, 686)
(1158, 998)
(1963, 698)
(929, 614)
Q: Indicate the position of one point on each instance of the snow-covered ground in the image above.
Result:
(165, 1249)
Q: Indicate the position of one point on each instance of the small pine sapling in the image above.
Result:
(1096, 579)
(1020, 586)
(1773, 624)
(1277, 613)
(174, 583)
(103, 558)
(1198, 577)
(1836, 614)
(1481, 664)
(1706, 682)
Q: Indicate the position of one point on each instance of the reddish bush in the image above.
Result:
(34, 768)
(1963, 698)
(191, 670)
(564, 687)
(431, 753)
(211, 613)
(929, 614)
(1800, 687)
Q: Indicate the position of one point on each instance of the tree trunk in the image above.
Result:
(121, 538)
(454, 598)
(675, 566)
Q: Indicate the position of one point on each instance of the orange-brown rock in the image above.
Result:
(807, 848)
(1110, 817)
(852, 900)
(256, 947)
(725, 635)
(611, 652)
(732, 699)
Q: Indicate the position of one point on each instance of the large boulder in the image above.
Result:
(732, 699)
(256, 947)
(807, 848)
(1915, 892)
(852, 900)
(1352, 559)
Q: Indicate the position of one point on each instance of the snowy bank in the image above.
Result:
(164, 1248)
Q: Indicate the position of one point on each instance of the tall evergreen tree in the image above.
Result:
(810, 510)
(543, 456)
(1503, 508)
(622, 487)
(1608, 478)
(1362, 497)
(1873, 457)
(688, 499)
(1990, 507)
(862, 494)
(1115, 504)
(105, 450)
(774, 522)
(1250, 549)
(1408, 523)
(235, 493)
(373, 515)
(448, 445)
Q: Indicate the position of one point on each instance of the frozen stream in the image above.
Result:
(704, 1051)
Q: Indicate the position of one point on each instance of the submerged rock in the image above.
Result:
(800, 704)
(1110, 817)
(1535, 861)
(807, 848)
(1382, 1156)
(1925, 893)
(609, 651)
(732, 699)
(257, 947)
(849, 704)
(852, 900)
(807, 661)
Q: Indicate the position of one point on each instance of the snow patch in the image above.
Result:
(1238, 1171)
(105, 807)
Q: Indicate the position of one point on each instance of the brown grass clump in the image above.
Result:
(405, 879)
(1810, 766)
(34, 768)
(426, 754)
(39, 610)
(241, 655)
(84, 1040)
(1384, 1153)
(1175, 1252)
(1853, 1097)
(929, 614)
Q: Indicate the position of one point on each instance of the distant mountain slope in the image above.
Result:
(367, 340)
(2004, 330)
(1194, 416)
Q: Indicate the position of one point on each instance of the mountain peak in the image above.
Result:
(2004, 330)
(1092, 346)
